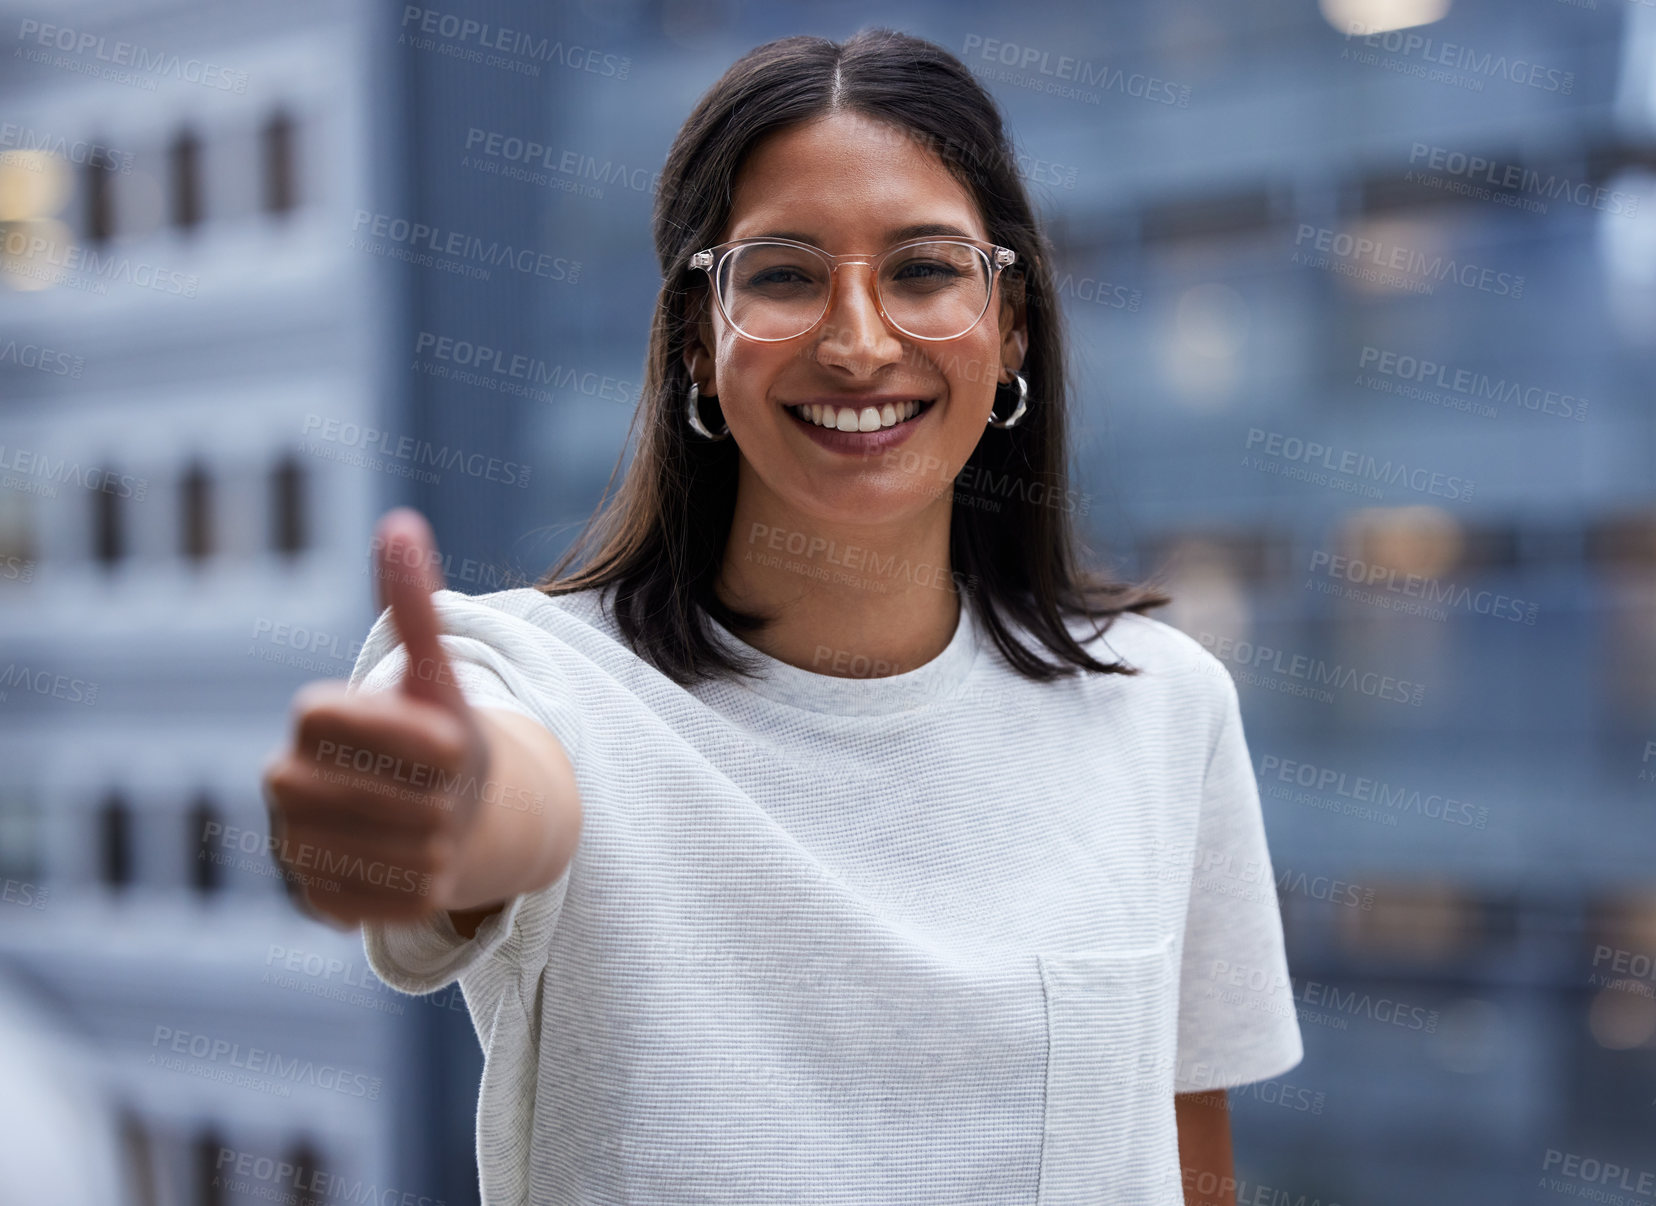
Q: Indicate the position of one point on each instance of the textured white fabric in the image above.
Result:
(933, 937)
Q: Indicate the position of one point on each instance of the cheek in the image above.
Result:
(973, 374)
(747, 370)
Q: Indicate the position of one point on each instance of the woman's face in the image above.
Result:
(848, 183)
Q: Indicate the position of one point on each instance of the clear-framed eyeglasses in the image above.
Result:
(930, 288)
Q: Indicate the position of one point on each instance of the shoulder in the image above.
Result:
(514, 622)
(1151, 646)
(1178, 681)
(509, 611)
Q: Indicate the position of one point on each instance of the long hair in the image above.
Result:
(661, 539)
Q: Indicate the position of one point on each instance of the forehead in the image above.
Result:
(846, 182)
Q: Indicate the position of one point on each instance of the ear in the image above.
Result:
(1014, 326)
(698, 342)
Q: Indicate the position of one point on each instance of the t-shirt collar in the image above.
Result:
(924, 686)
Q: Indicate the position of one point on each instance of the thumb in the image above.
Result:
(407, 568)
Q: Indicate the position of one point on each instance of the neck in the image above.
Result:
(850, 600)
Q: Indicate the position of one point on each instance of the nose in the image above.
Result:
(853, 335)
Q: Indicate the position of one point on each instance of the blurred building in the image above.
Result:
(192, 349)
(1364, 324)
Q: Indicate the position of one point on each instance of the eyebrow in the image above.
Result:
(918, 230)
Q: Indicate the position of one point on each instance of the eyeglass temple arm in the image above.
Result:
(1003, 258)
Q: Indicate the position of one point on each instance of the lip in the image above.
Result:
(860, 443)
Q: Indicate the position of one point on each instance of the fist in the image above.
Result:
(373, 796)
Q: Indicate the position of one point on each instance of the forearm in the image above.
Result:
(1205, 1164)
(529, 817)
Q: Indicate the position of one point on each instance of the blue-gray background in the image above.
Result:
(1430, 252)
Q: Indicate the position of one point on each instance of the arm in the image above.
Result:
(1209, 1177)
(512, 850)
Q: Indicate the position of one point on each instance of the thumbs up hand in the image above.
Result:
(373, 798)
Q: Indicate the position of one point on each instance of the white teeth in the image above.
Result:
(869, 418)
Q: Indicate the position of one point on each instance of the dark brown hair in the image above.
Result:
(663, 535)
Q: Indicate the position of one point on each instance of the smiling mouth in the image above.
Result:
(866, 418)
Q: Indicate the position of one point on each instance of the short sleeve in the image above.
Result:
(1237, 1022)
(421, 957)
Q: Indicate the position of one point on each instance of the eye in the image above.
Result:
(777, 276)
(922, 269)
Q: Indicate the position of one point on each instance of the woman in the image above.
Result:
(829, 836)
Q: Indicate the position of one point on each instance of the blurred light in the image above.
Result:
(1364, 17)
(28, 270)
(1207, 591)
(33, 184)
(1412, 240)
(1212, 320)
(1421, 540)
(1199, 351)
(1627, 255)
(1621, 1018)
(1429, 921)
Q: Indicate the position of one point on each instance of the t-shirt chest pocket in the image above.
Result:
(1110, 1133)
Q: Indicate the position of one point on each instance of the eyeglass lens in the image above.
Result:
(930, 290)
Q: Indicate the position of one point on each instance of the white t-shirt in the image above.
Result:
(932, 937)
